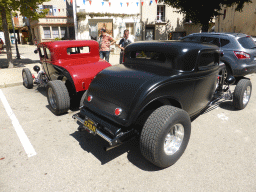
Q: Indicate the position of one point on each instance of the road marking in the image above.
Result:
(20, 132)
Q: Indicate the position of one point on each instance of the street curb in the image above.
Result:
(11, 85)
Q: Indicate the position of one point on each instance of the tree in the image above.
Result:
(27, 8)
(203, 11)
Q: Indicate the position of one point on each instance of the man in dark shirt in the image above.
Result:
(123, 43)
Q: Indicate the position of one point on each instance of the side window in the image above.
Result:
(208, 60)
(48, 54)
(78, 50)
(192, 38)
(224, 42)
(41, 52)
(212, 40)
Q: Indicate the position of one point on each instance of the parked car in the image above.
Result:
(68, 69)
(155, 93)
(254, 39)
(239, 50)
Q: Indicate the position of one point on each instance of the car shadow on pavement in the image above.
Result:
(17, 62)
(95, 145)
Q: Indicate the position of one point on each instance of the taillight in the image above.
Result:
(118, 111)
(123, 58)
(242, 55)
(89, 98)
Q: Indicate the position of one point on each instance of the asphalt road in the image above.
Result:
(221, 154)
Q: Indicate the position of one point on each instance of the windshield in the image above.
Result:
(247, 42)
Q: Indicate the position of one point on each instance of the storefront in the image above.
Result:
(48, 29)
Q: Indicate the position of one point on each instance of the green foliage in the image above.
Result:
(27, 8)
(9, 21)
(203, 11)
(57, 39)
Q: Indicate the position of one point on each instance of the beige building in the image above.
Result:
(162, 22)
(58, 23)
(237, 22)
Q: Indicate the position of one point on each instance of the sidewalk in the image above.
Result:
(13, 76)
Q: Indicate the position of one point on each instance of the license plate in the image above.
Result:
(90, 125)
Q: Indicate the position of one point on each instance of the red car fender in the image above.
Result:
(82, 75)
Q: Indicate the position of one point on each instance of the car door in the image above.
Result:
(206, 80)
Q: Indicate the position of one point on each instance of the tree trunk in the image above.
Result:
(7, 38)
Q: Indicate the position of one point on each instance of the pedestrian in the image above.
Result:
(1, 45)
(123, 43)
(105, 40)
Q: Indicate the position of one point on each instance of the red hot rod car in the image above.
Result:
(68, 69)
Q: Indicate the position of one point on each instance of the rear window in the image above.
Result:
(149, 55)
(78, 50)
(247, 42)
(171, 60)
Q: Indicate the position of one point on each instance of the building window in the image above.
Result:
(47, 32)
(50, 13)
(160, 13)
(130, 27)
(64, 32)
(55, 32)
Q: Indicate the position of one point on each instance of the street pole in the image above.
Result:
(16, 44)
(75, 19)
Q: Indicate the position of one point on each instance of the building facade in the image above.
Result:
(58, 23)
(115, 16)
(161, 22)
(230, 20)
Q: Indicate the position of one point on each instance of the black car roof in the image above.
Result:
(165, 46)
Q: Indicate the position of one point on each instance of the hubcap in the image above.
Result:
(247, 94)
(25, 79)
(173, 139)
(52, 98)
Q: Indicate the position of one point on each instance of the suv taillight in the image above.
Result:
(242, 55)
(123, 58)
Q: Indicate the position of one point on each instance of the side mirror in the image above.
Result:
(36, 51)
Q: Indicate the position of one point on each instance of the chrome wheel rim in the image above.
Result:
(247, 94)
(25, 79)
(52, 98)
(174, 139)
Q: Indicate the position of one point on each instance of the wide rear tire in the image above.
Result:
(58, 97)
(27, 78)
(242, 94)
(165, 135)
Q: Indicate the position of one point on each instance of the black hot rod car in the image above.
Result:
(155, 93)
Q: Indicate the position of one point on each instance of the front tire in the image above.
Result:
(27, 78)
(242, 94)
(58, 97)
(165, 136)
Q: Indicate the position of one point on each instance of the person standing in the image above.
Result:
(123, 43)
(105, 40)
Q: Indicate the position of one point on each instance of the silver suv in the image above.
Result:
(239, 50)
